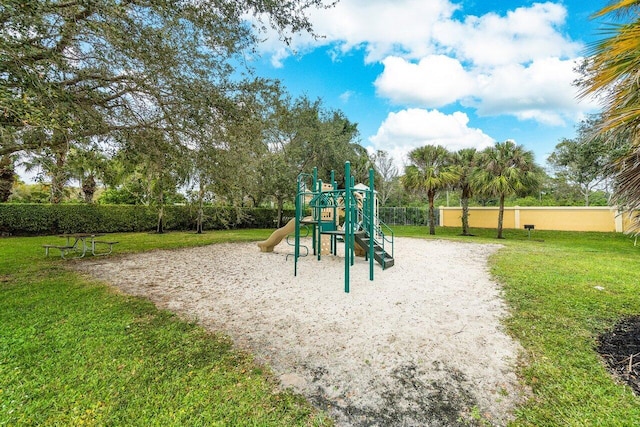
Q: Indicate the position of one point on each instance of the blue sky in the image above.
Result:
(460, 73)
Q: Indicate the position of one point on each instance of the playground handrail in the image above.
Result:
(302, 191)
(378, 231)
(384, 236)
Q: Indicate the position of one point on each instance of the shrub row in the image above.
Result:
(42, 219)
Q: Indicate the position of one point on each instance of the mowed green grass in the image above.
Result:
(73, 352)
(557, 313)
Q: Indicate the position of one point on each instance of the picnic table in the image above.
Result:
(80, 243)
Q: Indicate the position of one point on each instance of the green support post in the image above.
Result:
(314, 187)
(348, 230)
(370, 222)
(318, 218)
(334, 199)
(299, 207)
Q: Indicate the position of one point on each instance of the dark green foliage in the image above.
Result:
(430, 170)
(585, 163)
(179, 58)
(26, 218)
(39, 219)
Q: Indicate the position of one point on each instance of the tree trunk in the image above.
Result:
(160, 226)
(280, 209)
(501, 216)
(58, 176)
(586, 197)
(200, 218)
(7, 176)
(464, 201)
(88, 188)
(199, 221)
(432, 214)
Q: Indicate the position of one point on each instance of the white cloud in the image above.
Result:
(435, 81)
(413, 29)
(542, 90)
(382, 27)
(519, 64)
(385, 27)
(523, 35)
(346, 96)
(405, 130)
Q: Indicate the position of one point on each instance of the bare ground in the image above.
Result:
(620, 349)
(421, 345)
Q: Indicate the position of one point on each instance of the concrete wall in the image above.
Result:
(567, 218)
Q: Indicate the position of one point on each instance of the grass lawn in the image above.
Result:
(557, 313)
(74, 352)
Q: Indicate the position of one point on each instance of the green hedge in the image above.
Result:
(42, 219)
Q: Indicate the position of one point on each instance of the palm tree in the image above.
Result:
(504, 170)
(465, 161)
(86, 164)
(51, 164)
(612, 74)
(612, 67)
(430, 171)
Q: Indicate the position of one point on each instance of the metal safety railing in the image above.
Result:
(406, 215)
(382, 234)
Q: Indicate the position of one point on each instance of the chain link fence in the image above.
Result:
(405, 216)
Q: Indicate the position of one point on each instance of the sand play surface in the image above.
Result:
(421, 345)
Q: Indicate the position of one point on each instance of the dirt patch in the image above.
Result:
(420, 345)
(620, 348)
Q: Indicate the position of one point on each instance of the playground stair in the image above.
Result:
(380, 255)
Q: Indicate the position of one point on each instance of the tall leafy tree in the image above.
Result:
(279, 159)
(301, 134)
(226, 155)
(612, 74)
(387, 174)
(72, 70)
(161, 165)
(465, 161)
(282, 159)
(321, 138)
(579, 164)
(585, 160)
(430, 170)
(278, 179)
(505, 169)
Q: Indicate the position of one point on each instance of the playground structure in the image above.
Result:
(348, 214)
(278, 235)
